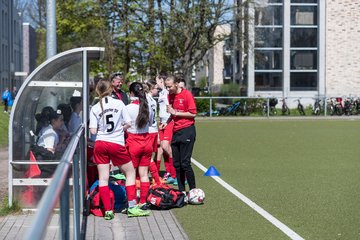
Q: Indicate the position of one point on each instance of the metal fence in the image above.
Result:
(58, 190)
(275, 106)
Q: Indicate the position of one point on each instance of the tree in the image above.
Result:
(191, 26)
(144, 35)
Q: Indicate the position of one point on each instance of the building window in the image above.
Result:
(304, 45)
(303, 81)
(303, 15)
(271, 15)
(303, 1)
(268, 81)
(303, 37)
(268, 60)
(303, 59)
(268, 52)
(268, 37)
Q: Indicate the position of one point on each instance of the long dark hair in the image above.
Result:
(103, 89)
(143, 117)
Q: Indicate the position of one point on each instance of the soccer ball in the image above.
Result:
(196, 196)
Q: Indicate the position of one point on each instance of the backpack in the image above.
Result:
(117, 185)
(164, 197)
(5, 95)
(96, 206)
(118, 197)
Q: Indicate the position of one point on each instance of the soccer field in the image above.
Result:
(305, 173)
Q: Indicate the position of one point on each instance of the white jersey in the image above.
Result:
(48, 138)
(163, 101)
(133, 109)
(109, 120)
(152, 107)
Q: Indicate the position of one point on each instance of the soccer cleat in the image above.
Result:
(144, 206)
(137, 212)
(109, 215)
(186, 199)
(170, 180)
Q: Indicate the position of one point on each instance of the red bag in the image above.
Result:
(165, 197)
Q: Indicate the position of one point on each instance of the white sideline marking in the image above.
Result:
(285, 229)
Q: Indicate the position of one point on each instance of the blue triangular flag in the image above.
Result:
(212, 172)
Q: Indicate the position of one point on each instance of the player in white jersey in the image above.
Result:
(109, 119)
(138, 141)
(165, 134)
(152, 90)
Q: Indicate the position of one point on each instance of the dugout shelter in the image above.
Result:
(52, 83)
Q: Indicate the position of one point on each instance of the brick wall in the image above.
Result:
(343, 47)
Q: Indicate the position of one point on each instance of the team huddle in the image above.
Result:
(129, 136)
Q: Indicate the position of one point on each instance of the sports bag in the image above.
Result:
(165, 197)
(117, 185)
(96, 206)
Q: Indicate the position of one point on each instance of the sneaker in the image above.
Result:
(137, 212)
(175, 183)
(124, 211)
(186, 199)
(170, 180)
(166, 176)
(109, 215)
(144, 206)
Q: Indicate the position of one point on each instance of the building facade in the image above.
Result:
(303, 48)
(215, 68)
(29, 49)
(10, 45)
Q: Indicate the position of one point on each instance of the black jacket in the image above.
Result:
(124, 97)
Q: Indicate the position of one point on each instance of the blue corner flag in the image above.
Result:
(212, 172)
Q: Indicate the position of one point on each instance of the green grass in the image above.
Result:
(304, 173)
(6, 210)
(4, 127)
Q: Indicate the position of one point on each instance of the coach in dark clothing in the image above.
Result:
(117, 80)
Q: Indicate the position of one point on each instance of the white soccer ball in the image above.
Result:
(196, 196)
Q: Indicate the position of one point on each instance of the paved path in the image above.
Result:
(159, 225)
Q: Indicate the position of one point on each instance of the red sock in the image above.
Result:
(131, 192)
(144, 189)
(154, 172)
(105, 197)
(172, 169)
(167, 163)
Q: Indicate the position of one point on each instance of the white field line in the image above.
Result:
(290, 233)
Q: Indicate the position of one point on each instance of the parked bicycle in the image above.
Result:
(356, 107)
(317, 107)
(231, 110)
(272, 105)
(335, 106)
(245, 109)
(348, 106)
(300, 108)
(284, 108)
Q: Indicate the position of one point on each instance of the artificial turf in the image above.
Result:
(303, 172)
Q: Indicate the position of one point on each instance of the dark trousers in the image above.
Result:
(6, 104)
(182, 146)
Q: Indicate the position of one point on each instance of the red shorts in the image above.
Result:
(140, 148)
(106, 151)
(154, 137)
(167, 133)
